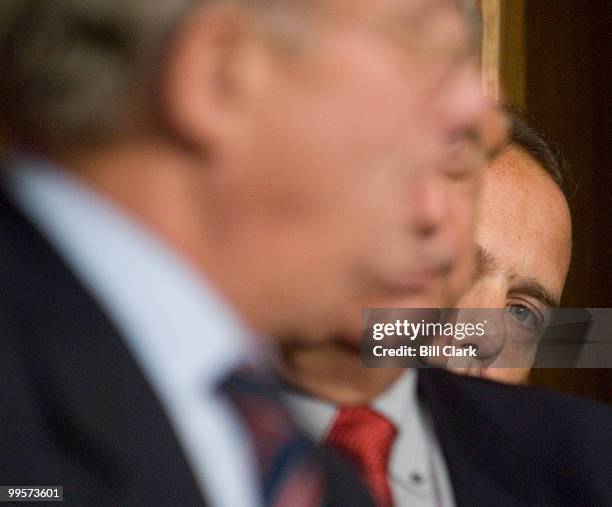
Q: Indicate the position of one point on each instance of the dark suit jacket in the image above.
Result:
(75, 409)
(510, 445)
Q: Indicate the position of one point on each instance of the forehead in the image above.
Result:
(410, 16)
(524, 219)
(437, 34)
(406, 6)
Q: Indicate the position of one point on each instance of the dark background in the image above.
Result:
(568, 77)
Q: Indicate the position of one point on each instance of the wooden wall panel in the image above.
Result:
(503, 50)
(554, 57)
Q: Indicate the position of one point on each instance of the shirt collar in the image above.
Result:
(170, 316)
(399, 400)
(398, 404)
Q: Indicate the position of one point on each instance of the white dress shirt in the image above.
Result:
(417, 471)
(184, 337)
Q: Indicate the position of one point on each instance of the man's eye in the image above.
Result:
(465, 161)
(524, 315)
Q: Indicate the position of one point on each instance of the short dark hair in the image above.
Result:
(531, 140)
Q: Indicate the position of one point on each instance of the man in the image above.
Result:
(524, 243)
(432, 438)
(187, 175)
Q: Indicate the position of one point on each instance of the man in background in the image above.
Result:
(523, 245)
(185, 177)
(427, 437)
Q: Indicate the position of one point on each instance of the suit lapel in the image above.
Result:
(479, 455)
(94, 395)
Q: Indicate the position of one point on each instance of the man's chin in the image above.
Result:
(334, 371)
(348, 344)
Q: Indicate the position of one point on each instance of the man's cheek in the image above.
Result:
(465, 214)
(464, 263)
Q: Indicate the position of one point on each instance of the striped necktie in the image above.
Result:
(290, 471)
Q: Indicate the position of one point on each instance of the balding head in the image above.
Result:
(282, 170)
(87, 69)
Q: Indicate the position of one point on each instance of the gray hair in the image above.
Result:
(77, 71)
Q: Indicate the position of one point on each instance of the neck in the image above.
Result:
(170, 193)
(335, 372)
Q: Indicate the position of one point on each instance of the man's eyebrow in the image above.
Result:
(485, 261)
(533, 288)
(474, 138)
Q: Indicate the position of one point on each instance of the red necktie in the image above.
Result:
(365, 437)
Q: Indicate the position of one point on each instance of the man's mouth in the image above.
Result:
(421, 280)
(351, 344)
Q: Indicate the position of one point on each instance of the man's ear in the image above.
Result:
(209, 74)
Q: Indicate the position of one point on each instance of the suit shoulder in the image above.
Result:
(544, 397)
(527, 406)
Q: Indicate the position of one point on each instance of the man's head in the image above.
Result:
(273, 143)
(523, 247)
(524, 242)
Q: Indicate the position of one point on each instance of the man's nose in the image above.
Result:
(428, 202)
(483, 307)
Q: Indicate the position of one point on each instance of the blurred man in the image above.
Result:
(524, 243)
(189, 174)
(433, 438)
